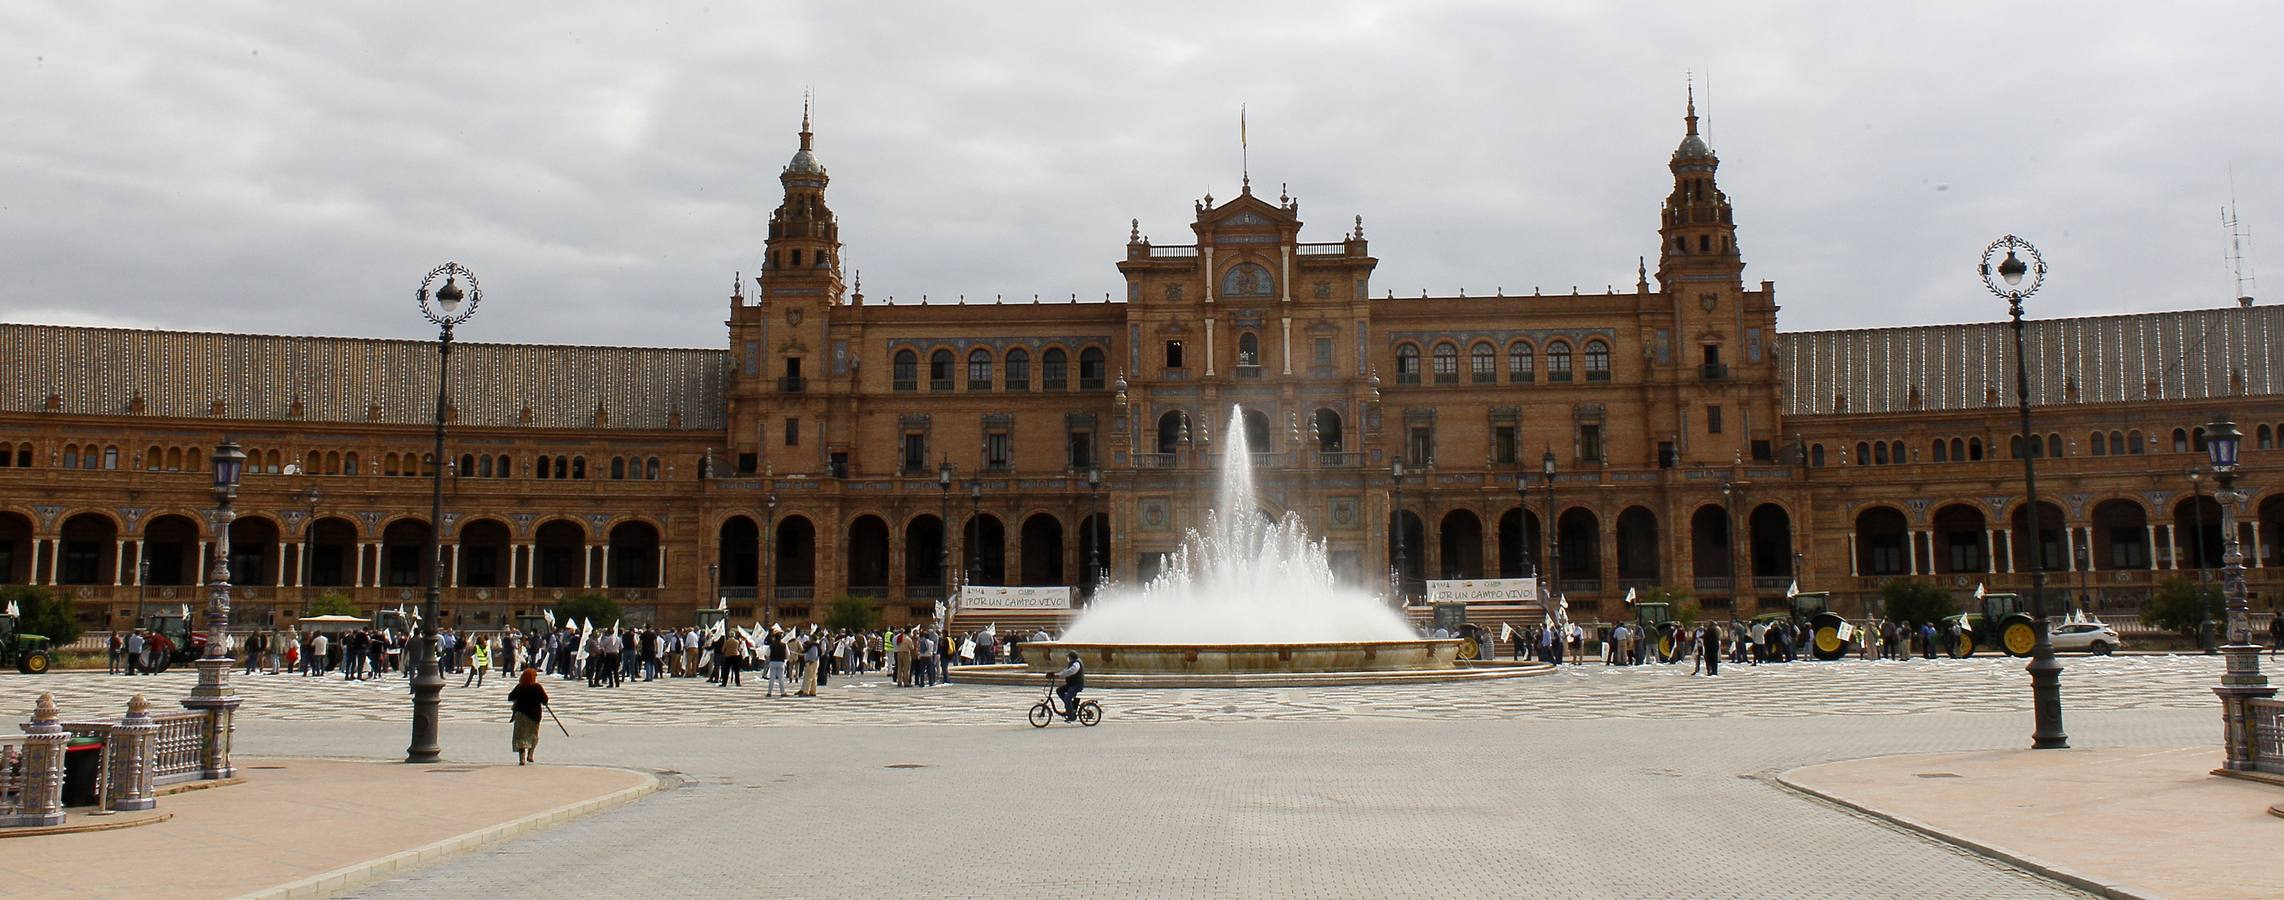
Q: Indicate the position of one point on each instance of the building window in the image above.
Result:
(2133, 443)
(1446, 364)
(915, 453)
(618, 468)
(1763, 451)
(1054, 370)
(1590, 443)
(906, 371)
(1816, 456)
(1320, 352)
(1503, 445)
(1408, 364)
(2129, 546)
(1091, 364)
(1081, 450)
(1419, 446)
(793, 432)
(1483, 364)
(998, 451)
(979, 369)
(1666, 456)
(1248, 349)
(940, 370)
(1018, 369)
(1173, 354)
(1558, 361)
(1521, 363)
(1597, 361)
(1713, 420)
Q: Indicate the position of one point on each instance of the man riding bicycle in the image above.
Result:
(1073, 677)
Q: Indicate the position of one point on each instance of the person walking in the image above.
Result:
(729, 658)
(479, 659)
(812, 660)
(528, 701)
(775, 645)
(1709, 649)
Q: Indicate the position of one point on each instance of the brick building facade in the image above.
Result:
(823, 451)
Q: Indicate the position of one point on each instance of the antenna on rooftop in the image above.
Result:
(2236, 237)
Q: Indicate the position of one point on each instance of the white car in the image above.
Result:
(2097, 638)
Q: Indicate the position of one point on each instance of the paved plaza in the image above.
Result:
(1593, 781)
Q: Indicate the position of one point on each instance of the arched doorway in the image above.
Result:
(1257, 432)
(254, 560)
(2048, 548)
(1328, 436)
(2121, 535)
(985, 538)
(562, 548)
(634, 555)
(1170, 431)
(404, 549)
(1043, 550)
(1579, 532)
(1961, 540)
(1460, 538)
(1637, 545)
(924, 554)
(15, 546)
(332, 552)
(795, 562)
(868, 555)
(1770, 532)
(1412, 564)
(1880, 533)
(1709, 556)
(738, 549)
(2197, 532)
(170, 545)
(90, 547)
(1519, 543)
(484, 554)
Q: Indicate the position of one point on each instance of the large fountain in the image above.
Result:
(1245, 600)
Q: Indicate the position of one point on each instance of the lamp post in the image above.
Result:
(714, 580)
(142, 581)
(1396, 529)
(213, 690)
(2197, 543)
(944, 514)
(765, 582)
(2006, 280)
(2242, 681)
(975, 521)
(1522, 502)
(2085, 561)
(447, 307)
(1553, 543)
(1094, 530)
(1729, 530)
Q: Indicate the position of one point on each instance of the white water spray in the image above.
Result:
(1241, 579)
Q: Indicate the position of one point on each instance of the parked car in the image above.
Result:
(2097, 638)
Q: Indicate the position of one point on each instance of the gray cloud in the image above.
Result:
(295, 168)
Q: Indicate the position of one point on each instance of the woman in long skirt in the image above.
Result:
(530, 702)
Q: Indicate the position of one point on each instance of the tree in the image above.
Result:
(329, 603)
(38, 611)
(1916, 601)
(2182, 606)
(1678, 601)
(851, 614)
(594, 608)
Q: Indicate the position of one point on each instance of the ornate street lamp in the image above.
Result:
(944, 515)
(1094, 530)
(1553, 544)
(1396, 529)
(2197, 543)
(975, 521)
(1522, 502)
(213, 691)
(2014, 281)
(447, 307)
(2242, 681)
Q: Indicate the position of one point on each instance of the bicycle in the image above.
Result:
(1044, 711)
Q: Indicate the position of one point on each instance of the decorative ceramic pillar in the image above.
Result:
(134, 751)
(1990, 553)
(40, 797)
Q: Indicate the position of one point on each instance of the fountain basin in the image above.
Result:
(1245, 659)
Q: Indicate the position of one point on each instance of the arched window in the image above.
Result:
(154, 458)
(1879, 453)
(1958, 450)
(2098, 444)
(466, 467)
(1446, 364)
(2014, 447)
(1975, 449)
(2054, 446)
(1941, 452)
(484, 466)
(2180, 441)
(111, 460)
(2261, 441)
(906, 371)
(940, 370)
(1407, 364)
(1483, 364)
(2133, 443)
(1597, 361)
(2197, 439)
(618, 468)
(71, 456)
(1558, 361)
(1019, 369)
(562, 467)
(1522, 363)
(540, 470)
(650, 469)
(502, 470)
(1816, 455)
(1863, 453)
(349, 463)
(1248, 349)
(1091, 366)
(1054, 369)
(1895, 452)
(979, 369)
(579, 467)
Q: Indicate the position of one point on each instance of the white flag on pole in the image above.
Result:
(1629, 596)
(1978, 590)
(1793, 590)
(1506, 631)
(12, 613)
(549, 614)
(723, 604)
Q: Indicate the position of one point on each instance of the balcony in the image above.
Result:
(939, 384)
(860, 591)
(792, 384)
(1597, 375)
(1771, 583)
(1246, 372)
(1558, 377)
(1153, 460)
(741, 593)
(1713, 372)
(1268, 460)
(1720, 583)
(1403, 377)
(1338, 458)
(796, 592)
(1447, 377)
(923, 592)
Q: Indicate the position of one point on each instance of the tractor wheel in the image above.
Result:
(2018, 637)
(34, 663)
(1668, 650)
(1965, 646)
(1469, 649)
(164, 662)
(1825, 635)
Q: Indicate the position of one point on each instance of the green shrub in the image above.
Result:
(40, 611)
(1904, 600)
(2181, 606)
(595, 608)
(851, 613)
(329, 604)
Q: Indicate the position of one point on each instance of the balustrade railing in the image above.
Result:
(2267, 734)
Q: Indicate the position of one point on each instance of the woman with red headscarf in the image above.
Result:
(530, 702)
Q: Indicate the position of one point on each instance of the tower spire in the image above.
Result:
(1691, 117)
(805, 120)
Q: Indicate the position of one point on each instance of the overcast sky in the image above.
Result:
(296, 167)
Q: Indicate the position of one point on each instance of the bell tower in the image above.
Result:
(779, 340)
(1699, 231)
(804, 249)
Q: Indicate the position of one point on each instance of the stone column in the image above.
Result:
(605, 578)
(1852, 567)
(2172, 547)
(2151, 533)
(55, 560)
(2070, 548)
(2007, 539)
(140, 550)
(118, 559)
(452, 565)
(134, 751)
(662, 566)
(1990, 553)
(1911, 551)
(586, 565)
(2259, 557)
(357, 578)
(301, 556)
(40, 801)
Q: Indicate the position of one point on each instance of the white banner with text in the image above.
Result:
(1484, 590)
(996, 597)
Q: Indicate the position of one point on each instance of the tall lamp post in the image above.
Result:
(2007, 281)
(1094, 530)
(1522, 503)
(975, 521)
(765, 576)
(1396, 530)
(447, 307)
(2242, 681)
(2197, 543)
(1553, 542)
(213, 691)
(944, 514)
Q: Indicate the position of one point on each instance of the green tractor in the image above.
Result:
(531, 623)
(2002, 623)
(31, 654)
(1830, 636)
(1659, 632)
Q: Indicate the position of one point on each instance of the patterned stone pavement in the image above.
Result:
(1594, 782)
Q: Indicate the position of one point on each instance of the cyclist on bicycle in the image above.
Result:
(1073, 677)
